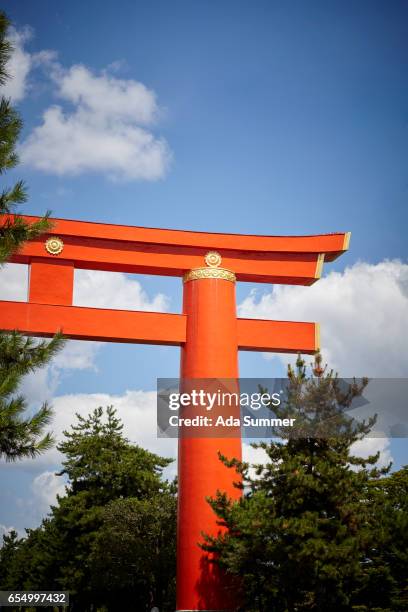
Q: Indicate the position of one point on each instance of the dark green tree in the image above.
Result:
(110, 541)
(101, 466)
(134, 556)
(19, 436)
(30, 561)
(300, 535)
(384, 582)
(8, 555)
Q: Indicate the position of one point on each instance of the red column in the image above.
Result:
(210, 351)
(51, 282)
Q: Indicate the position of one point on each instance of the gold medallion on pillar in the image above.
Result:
(213, 261)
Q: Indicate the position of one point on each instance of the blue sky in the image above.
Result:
(272, 118)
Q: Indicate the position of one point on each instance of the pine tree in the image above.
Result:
(100, 461)
(22, 437)
(19, 436)
(384, 583)
(300, 534)
(134, 556)
(14, 231)
(8, 554)
(110, 540)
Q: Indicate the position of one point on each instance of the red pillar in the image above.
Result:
(210, 351)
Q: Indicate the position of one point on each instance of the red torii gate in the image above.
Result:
(208, 332)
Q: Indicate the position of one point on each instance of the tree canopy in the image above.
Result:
(317, 526)
(110, 540)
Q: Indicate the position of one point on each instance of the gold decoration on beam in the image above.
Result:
(213, 259)
(54, 245)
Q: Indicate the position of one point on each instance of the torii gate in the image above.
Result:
(208, 332)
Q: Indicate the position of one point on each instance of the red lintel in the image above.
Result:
(272, 259)
(107, 325)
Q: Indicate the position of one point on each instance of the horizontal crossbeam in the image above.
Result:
(100, 324)
(278, 336)
(295, 260)
(107, 325)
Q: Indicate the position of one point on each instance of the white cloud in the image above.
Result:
(41, 385)
(105, 131)
(4, 530)
(77, 355)
(45, 488)
(106, 95)
(253, 455)
(370, 446)
(363, 313)
(114, 290)
(14, 282)
(35, 501)
(18, 66)
(21, 63)
(104, 124)
(137, 409)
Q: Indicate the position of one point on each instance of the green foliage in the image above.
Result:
(14, 231)
(10, 126)
(100, 461)
(385, 579)
(8, 554)
(312, 519)
(22, 436)
(5, 48)
(111, 539)
(19, 436)
(134, 553)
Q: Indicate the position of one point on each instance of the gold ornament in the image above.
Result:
(199, 273)
(213, 259)
(54, 245)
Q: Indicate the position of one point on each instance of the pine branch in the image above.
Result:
(20, 436)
